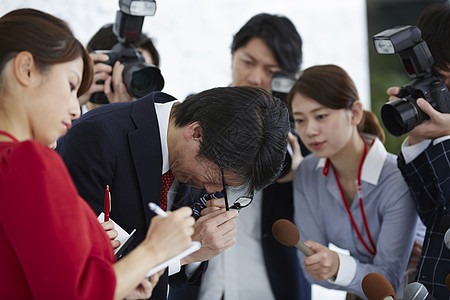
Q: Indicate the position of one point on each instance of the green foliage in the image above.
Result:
(385, 71)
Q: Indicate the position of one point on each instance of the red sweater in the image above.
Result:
(51, 244)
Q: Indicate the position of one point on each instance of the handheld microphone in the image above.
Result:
(416, 291)
(286, 233)
(376, 287)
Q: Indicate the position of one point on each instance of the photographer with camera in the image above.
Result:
(106, 75)
(126, 61)
(424, 158)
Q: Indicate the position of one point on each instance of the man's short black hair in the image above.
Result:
(280, 35)
(434, 22)
(244, 131)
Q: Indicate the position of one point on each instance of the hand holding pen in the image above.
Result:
(171, 233)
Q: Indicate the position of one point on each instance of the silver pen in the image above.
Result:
(157, 210)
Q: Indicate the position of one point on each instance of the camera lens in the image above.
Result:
(142, 78)
(401, 116)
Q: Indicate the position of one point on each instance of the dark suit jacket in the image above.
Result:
(428, 178)
(282, 263)
(119, 145)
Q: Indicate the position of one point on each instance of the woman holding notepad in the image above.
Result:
(51, 244)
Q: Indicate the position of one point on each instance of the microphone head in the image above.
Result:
(376, 287)
(415, 290)
(285, 232)
(447, 239)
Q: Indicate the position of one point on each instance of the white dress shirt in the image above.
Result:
(239, 273)
(163, 114)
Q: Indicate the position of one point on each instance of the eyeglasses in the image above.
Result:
(240, 202)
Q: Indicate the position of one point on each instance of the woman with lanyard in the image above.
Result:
(349, 192)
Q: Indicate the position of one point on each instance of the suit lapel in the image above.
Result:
(145, 148)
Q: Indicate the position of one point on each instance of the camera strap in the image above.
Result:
(372, 251)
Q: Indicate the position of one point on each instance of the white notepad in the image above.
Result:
(122, 237)
(194, 247)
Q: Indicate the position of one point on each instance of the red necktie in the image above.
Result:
(166, 182)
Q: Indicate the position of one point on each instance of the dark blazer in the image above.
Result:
(119, 145)
(428, 177)
(282, 263)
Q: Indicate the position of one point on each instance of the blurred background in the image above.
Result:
(194, 38)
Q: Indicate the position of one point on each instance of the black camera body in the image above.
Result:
(139, 77)
(281, 84)
(402, 115)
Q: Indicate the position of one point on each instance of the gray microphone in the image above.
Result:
(447, 239)
(416, 291)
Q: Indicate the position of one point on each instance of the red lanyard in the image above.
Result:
(8, 135)
(360, 196)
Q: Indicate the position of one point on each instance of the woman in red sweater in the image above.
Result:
(51, 244)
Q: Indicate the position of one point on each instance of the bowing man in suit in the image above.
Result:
(231, 136)
(265, 45)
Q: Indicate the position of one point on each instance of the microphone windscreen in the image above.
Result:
(447, 239)
(415, 291)
(285, 232)
(376, 287)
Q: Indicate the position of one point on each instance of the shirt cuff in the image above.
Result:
(174, 267)
(346, 272)
(191, 268)
(441, 139)
(411, 152)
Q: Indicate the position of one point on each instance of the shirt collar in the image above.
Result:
(163, 113)
(373, 164)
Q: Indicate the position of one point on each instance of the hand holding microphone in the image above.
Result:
(323, 265)
(286, 233)
(376, 287)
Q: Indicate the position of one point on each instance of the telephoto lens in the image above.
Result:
(401, 116)
(141, 78)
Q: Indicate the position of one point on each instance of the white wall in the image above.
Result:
(194, 37)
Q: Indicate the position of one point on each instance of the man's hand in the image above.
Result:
(437, 126)
(297, 158)
(118, 92)
(215, 229)
(101, 73)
